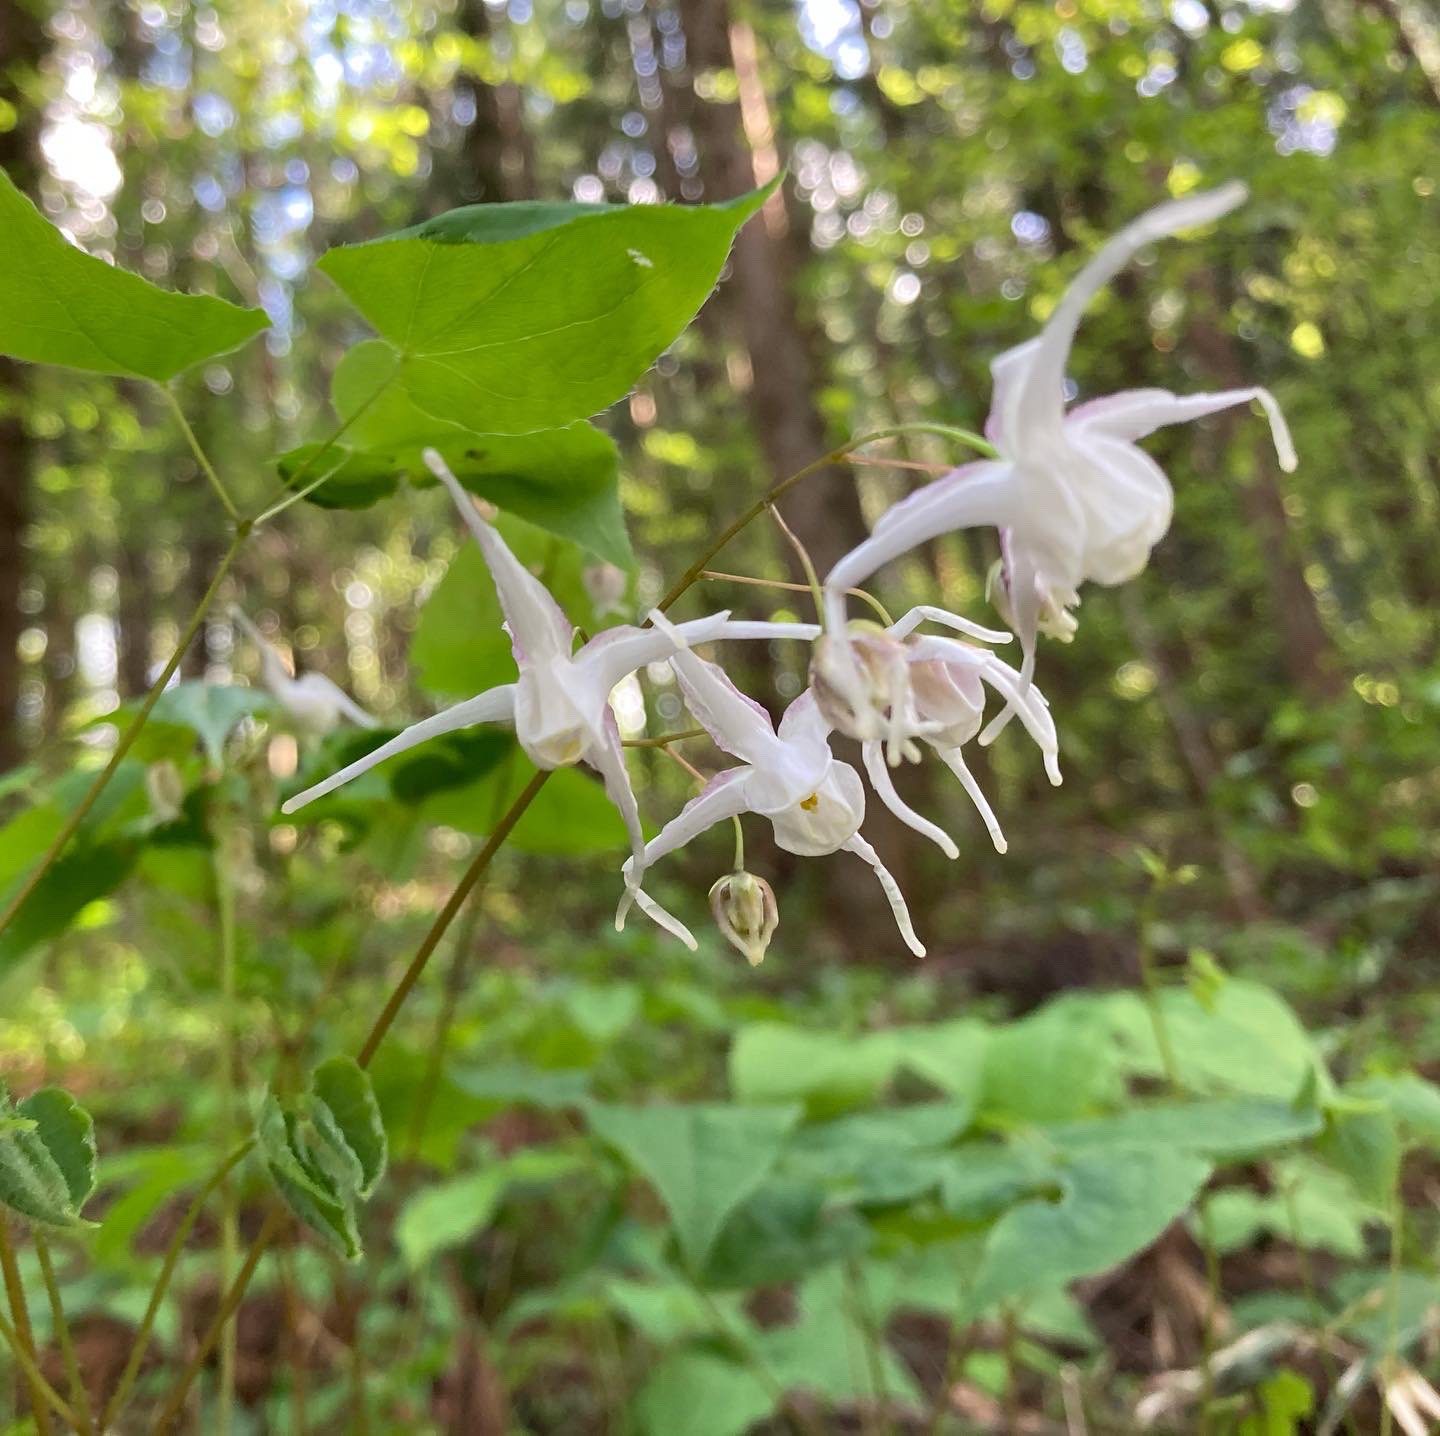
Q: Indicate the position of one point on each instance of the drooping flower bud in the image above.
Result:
(746, 912)
(165, 789)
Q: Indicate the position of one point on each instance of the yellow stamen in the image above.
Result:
(810, 803)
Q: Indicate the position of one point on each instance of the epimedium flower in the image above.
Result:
(1072, 494)
(814, 803)
(313, 702)
(559, 704)
(861, 679)
(945, 682)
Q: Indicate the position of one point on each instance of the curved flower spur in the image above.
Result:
(560, 703)
(814, 803)
(313, 701)
(1073, 496)
(945, 694)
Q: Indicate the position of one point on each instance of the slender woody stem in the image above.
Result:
(78, 1395)
(116, 1403)
(446, 916)
(128, 737)
(24, 1339)
(201, 458)
(175, 1403)
(24, 1355)
(229, 1197)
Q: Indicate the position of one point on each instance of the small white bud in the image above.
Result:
(746, 912)
(605, 586)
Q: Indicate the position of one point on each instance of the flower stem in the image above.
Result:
(24, 1334)
(807, 565)
(78, 1395)
(269, 1230)
(446, 916)
(229, 1198)
(128, 737)
(879, 608)
(201, 458)
(116, 1403)
(691, 574)
(665, 738)
(41, 1390)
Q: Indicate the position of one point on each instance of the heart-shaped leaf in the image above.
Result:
(59, 305)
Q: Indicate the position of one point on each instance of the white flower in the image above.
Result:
(945, 693)
(861, 679)
(1071, 493)
(313, 702)
(814, 803)
(559, 704)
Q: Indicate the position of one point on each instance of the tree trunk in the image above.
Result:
(21, 45)
(499, 154)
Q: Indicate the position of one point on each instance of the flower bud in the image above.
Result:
(605, 586)
(861, 682)
(746, 912)
(165, 789)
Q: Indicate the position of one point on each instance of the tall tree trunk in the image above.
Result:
(825, 509)
(21, 46)
(499, 154)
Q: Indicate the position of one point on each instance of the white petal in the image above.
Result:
(1042, 383)
(884, 785)
(272, 666)
(956, 764)
(737, 723)
(488, 707)
(927, 613)
(971, 495)
(1134, 413)
(861, 848)
(538, 626)
(656, 914)
(608, 759)
(342, 700)
(822, 820)
(723, 797)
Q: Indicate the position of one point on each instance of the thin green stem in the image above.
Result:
(1392, 1325)
(446, 916)
(127, 738)
(24, 1341)
(881, 612)
(693, 573)
(201, 458)
(739, 844)
(229, 1197)
(445, 1019)
(117, 1402)
(175, 1403)
(45, 1395)
(666, 738)
(294, 497)
(79, 1397)
(807, 564)
(873, 1339)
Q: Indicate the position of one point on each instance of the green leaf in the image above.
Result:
(1414, 1102)
(448, 1215)
(72, 884)
(1112, 1204)
(68, 1133)
(703, 1159)
(782, 1231)
(347, 1115)
(210, 710)
(1365, 1145)
(701, 1395)
(509, 319)
(1230, 1128)
(771, 1061)
(47, 1158)
(309, 1191)
(564, 479)
(59, 305)
(1055, 1064)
